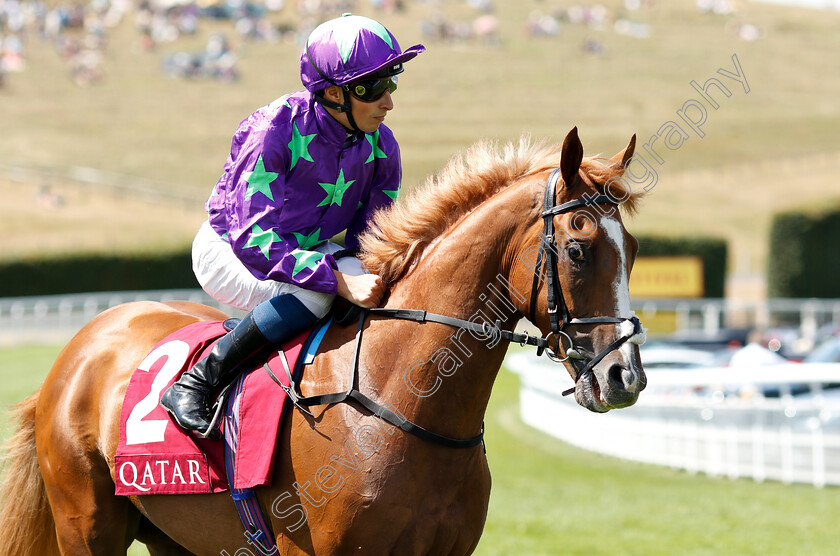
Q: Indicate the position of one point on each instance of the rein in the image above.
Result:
(558, 315)
(352, 393)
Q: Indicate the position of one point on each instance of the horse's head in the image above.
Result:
(575, 262)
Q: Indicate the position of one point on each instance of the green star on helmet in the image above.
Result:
(345, 30)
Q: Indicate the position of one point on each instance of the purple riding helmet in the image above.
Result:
(352, 50)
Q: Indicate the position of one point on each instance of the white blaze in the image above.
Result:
(621, 286)
(621, 289)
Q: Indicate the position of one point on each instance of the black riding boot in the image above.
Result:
(189, 399)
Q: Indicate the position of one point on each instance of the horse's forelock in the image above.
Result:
(609, 181)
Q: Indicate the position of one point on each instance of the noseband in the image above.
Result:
(558, 311)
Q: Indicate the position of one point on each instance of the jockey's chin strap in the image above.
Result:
(347, 107)
(558, 311)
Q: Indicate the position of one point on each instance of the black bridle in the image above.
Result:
(558, 311)
(558, 315)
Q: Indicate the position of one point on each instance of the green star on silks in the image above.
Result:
(311, 240)
(263, 239)
(392, 193)
(335, 191)
(259, 181)
(375, 151)
(299, 145)
(305, 259)
(278, 102)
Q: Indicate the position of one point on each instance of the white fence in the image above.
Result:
(710, 315)
(51, 316)
(684, 421)
(55, 318)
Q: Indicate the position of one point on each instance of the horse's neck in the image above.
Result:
(443, 376)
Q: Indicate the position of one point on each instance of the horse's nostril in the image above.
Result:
(622, 378)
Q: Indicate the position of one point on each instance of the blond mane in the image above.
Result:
(398, 235)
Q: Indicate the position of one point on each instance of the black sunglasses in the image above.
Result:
(370, 90)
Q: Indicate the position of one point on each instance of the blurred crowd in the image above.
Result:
(78, 31)
(598, 17)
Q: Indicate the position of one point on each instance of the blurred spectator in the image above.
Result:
(485, 6)
(438, 27)
(632, 29)
(595, 16)
(11, 54)
(216, 62)
(747, 32)
(388, 6)
(486, 29)
(755, 353)
(541, 25)
(45, 198)
(594, 47)
(85, 66)
(720, 7)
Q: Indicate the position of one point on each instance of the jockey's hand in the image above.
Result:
(364, 290)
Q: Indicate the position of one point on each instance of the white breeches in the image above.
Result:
(225, 278)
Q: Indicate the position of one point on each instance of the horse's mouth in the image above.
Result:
(588, 394)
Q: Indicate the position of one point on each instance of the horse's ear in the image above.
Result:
(571, 157)
(621, 160)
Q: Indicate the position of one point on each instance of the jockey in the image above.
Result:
(302, 169)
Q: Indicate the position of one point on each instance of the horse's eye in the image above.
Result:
(575, 253)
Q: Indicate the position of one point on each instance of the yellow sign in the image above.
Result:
(667, 277)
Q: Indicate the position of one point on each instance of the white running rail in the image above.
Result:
(55, 318)
(685, 421)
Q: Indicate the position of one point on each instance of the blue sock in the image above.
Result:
(281, 317)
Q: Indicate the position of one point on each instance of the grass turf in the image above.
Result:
(549, 498)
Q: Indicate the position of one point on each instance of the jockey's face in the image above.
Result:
(368, 115)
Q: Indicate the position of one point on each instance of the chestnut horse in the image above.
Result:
(464, 245)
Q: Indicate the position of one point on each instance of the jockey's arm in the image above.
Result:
(364, 290)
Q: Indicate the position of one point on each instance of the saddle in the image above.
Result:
(156, 456)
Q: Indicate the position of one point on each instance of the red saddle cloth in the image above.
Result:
(156, 456)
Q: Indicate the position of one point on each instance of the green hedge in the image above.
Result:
(804, 259)
(712, 251)
(97, 273)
